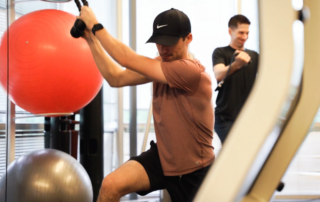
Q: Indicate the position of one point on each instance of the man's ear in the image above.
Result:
(189, 38)
(229, 30)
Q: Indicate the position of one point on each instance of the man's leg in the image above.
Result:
(129, 177)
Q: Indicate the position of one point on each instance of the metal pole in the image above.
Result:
(133, 89)
(120, 92)
(239, 7)
(10, 126)
(147, 129)
(10, 106)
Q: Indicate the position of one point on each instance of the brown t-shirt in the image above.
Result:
(183, 117)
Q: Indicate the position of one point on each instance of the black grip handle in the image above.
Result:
(79, 26)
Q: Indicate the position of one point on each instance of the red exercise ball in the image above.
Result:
(49, 70)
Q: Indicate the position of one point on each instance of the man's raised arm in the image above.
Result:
(121, 53)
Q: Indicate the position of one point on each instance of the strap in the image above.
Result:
(85, 3)
(96, 27)
(221, 82)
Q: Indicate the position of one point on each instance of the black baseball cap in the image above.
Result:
(169, 26)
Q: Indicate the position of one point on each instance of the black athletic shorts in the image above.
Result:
(222, 128)
(181, 188)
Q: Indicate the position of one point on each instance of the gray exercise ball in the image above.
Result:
(46, 175)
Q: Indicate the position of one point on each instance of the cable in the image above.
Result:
(78, 4)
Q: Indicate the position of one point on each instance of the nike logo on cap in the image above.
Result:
(159, 26)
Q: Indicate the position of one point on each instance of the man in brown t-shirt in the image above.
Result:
(182, 109)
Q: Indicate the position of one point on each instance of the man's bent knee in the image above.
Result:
(110, 189)
(128, 178)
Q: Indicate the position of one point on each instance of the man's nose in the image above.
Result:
(163, 48)
(244, 37)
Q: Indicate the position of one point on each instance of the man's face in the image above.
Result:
(176, 51)
(239, 35)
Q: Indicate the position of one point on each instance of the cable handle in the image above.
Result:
(79, 26)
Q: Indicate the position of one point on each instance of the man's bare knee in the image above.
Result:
(110, 189)
(128, 178)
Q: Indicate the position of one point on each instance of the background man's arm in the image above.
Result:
(220, 70)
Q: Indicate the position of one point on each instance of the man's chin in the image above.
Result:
(241, 45)
(166, 59)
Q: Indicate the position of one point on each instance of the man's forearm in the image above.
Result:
(221, 73)
(121, 53)
(107, 67)
(234, 67)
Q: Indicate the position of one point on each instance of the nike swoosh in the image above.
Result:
(159, 26)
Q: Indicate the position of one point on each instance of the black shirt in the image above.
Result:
(237, 86)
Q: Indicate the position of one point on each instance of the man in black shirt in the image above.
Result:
(235, 79)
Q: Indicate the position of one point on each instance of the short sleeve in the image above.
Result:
(183, 74)
(218, 57)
